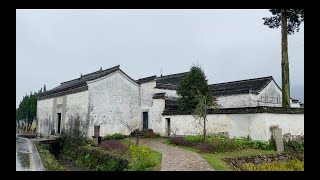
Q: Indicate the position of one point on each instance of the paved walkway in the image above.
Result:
(177, 159)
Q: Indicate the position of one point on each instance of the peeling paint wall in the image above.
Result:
(271, 95)
(241, 100)
(77, 105)
(44, 116)
(154, 107)
(113, 101)
(237, 125)
(69, 106)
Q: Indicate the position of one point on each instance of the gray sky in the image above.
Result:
(53, 46)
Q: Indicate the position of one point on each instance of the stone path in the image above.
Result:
(177, 159)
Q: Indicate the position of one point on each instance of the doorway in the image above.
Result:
(145, 120)
(59, 123)
(168, 129)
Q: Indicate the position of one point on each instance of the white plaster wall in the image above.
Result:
(237, 125)
(77, 104)
(44, 116)
(289, 123)
(155, 115)
(154, 107)
(233, 101)
(146, 93)
(271, 95)
(113, 100)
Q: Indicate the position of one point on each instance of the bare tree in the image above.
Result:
(132, 124)
(205, 102)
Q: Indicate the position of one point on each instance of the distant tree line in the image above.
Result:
(27, 110)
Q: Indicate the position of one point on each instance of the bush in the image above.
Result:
(196, 139)
(114, 145)
(291, 165)
(205, 147)
(70, 142)
(181, 141)
(296, 145)
(114, 136)
(140, 158)
(49, 161)
(99, 160)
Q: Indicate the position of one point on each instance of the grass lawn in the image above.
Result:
(215, 159)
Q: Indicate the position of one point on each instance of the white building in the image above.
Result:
(111, 100)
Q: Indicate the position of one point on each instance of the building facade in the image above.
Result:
(111, 100)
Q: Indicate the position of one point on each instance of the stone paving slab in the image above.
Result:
(177, 159)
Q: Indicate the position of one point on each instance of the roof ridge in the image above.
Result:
(266, 77)
(177, 74)
(115, 67)
(147, 77)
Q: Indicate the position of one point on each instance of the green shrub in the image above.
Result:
(140, 157)
(295, 145)
(196, 139)
(49, 161)
(291, 165)
(99, 160)
(114, 136)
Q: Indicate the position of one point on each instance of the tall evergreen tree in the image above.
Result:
(194, 82)
(290, 20)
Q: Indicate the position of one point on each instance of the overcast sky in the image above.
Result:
(53, 46)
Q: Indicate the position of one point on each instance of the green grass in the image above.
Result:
(156, 159)
(216, 162)
(50, 163)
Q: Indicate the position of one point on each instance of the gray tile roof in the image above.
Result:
(76, 85)
(241, 87)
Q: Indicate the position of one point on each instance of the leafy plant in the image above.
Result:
(295, 145)
(196, 139)
(114, 145)
(205, 147)
(140, 158)
(181, 141)
(49, 161)
(99, 160)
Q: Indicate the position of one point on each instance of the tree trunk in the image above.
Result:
(285, 62)
(204, 130)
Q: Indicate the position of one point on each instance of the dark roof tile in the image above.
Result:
(68, 87)
(240, 87)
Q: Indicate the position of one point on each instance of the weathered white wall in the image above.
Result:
(154, 107)
(113, 100)
(289, 123)
(44, 116)
(233, 101)
(146, 93)
(77, 105)
(237, 125)
(271, 95)
(155, 115)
